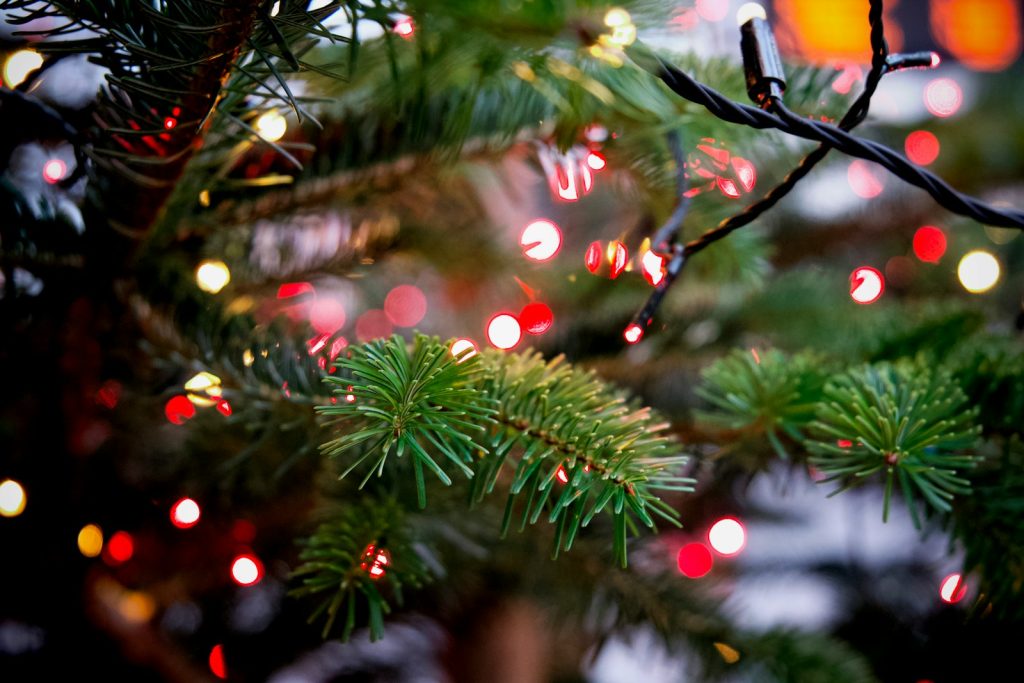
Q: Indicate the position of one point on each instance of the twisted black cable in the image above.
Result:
(782, 119)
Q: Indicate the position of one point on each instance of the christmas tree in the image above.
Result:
(537, 340)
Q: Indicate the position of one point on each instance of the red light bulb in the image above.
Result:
(633, 333)
(617, 256)
(592, 259)
(536, 318)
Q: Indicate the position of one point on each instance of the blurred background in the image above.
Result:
(158, 446)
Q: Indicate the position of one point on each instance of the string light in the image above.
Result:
(978, 271)
(119, 548)
(618, 255)
(727, 536)
(54, 170)
(943, 97)
(952, 589)
(694, 560)
(216, 661)
(271, 126)
(633, 333)
(652, 265)
(375, 561)
(204, 389)
(179, 409)
(246, 570)
(19, 65)
(748, 11)
(541, 239)
(405, 28)
(623, 31)
(596, 161)
(536, 318)
(90, 540)
(405, 305)
(592, 257)
(12, 498)
(212, 276)
(922, 147)
(504, 331)
(185, 513)
(866, 285)
(463, 349)
(929, 243)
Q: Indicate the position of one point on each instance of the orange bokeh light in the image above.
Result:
(835, 31)
(982, 34)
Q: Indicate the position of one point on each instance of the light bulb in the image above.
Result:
(750, 10)
(978, 271)
(271, 126)
(19, 65)
(212, 276)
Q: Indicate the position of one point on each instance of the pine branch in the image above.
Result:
(907, 421)
(482, 414)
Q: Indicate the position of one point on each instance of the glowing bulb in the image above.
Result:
(750, 10)
(170, 122)
(271, 126)
(179, 409)
(694, 560)
(653, 266)
(596, 161)
(617, 16)
(212, 276)
(463, 349)
(592, 258)
(246, 570)
(617, 257)
(952, 589)
(562, 475)
(727, 536)
(375, 561)
(54, 170)
(536, 318)
(943, 97)
(12, 498)
(978, 271)
(202, 388)
(185, 513)
(216, 662)
(540, 240)
(405, 27)
(866, 285)
(119, 548)
(623, 30)
(633, 333)
(90, 540)
(929, 243)
(19, 65)
(922, 147)
(405, 305)
(504, 331)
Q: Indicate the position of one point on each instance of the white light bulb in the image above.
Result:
(750, 11)
(19, 65)
(978, 271)
(271, 126)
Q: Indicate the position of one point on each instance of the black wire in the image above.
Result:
(783, 119)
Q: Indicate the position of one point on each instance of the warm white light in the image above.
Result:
(54, 170)
(978, 271)
(12, 498)
(540, 240)
(271, 126)
(19, 65)
(464, 349)
(185, 513)
(203, 387)
(212, 276)
(504, 331)
(750, 10)
(617, 16)
(727, 536)
(246, 570)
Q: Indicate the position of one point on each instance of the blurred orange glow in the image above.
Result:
(831, 31)
(983, 34)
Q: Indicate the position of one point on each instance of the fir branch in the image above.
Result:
(765, 392)
(906, 420)
(361, 558)
(558, 427)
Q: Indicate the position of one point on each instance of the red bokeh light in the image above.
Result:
(246, 570)
(504, 331)
(694, 560)
(536, 318)
(929, 243)
(170, 122)
(290, 289)
(866, 180)
(327, 315)
(562, 475)
(866, 285)
(652, 264)
(109, 394)
(922, 147)
(119, 548)
(618, 255)
(179, 409)
(373, 324)
(54, 170)
(952, 589)
(943, 97)
(405, 27)
(185, 513)
(224, 408)
(217, 665)
(592, 258)
(405, 305)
